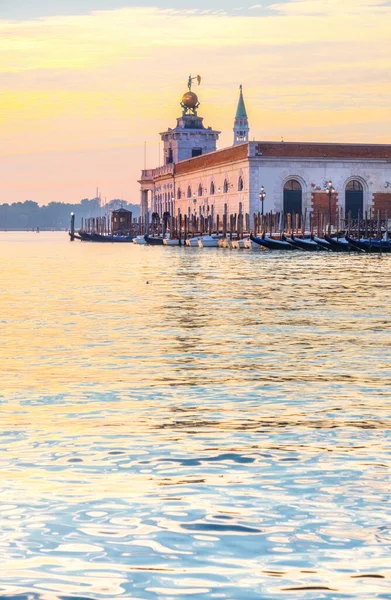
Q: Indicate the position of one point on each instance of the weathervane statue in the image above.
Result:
(191, 79)
(190, 99)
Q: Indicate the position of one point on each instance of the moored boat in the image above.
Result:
(98, 237)
(322, 243)
(340, 244)
(208, 241)
(153, 241)
(250, 245)
(139, 239)
(227, 242)
(193, 241)
(171, 242)
(238, 244)
(370, 246)
(306, 244)
(272, 244)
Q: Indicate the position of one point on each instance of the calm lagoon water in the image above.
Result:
(193, 423)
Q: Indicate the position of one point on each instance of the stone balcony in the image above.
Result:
(149, 174)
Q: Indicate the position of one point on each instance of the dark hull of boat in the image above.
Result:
(97, 237)
(153, 241)
(370, 246)
(82, 236)
(305, 244)
(325, 245)
(337, 246)
(273, 244)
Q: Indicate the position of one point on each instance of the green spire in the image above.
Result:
(241, 110)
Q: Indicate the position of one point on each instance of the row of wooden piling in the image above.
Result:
(272, 224)
(240, 225)
(99, 225)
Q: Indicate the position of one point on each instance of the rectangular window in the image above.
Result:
(196, 152)
(169, 157)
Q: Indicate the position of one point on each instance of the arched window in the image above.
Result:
(240, 184)
(292, 184)
(179, 193)
(212, 188)
(188, 191)
(293, 196)
(200, 189)
(354, 186)
(225, 186)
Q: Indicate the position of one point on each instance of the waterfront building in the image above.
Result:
(196, 178)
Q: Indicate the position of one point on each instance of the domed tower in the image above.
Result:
(241, 128)
(189, 138)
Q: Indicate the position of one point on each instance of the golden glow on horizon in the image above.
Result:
(311, 69)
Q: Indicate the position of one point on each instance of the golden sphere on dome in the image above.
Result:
(190, 99)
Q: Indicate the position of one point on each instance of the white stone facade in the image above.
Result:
(313, 175)
(214, 190)
(232, 183)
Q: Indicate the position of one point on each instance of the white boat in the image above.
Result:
(193, 242)
(250, 245)
(139, 239)
(238, 244)
(171, 242)
(208, 241)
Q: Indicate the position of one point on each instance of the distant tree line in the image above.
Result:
(56, 215)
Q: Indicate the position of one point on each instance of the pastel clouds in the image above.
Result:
(333, 7)
(88, 84)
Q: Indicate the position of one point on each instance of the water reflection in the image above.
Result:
(221, 432)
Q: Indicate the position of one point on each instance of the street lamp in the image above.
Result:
(330, 191)
(262, 196)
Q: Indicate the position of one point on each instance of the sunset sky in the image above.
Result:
(85, 82)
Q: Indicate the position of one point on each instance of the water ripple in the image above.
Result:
(223, 432)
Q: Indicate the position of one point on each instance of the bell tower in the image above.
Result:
(190, 137)
(241, 128)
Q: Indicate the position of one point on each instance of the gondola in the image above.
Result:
(321, 242)
(331, 247)
(340, 245)
(153, 241)
(273, 244)
(370, 246)
(98, 237)
(83, 236)
(117, 239)
(305, 244)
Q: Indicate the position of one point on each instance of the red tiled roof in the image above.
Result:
(212, 159)
(319, 150)
(284, 150)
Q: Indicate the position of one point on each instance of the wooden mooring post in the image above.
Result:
(72, 234)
